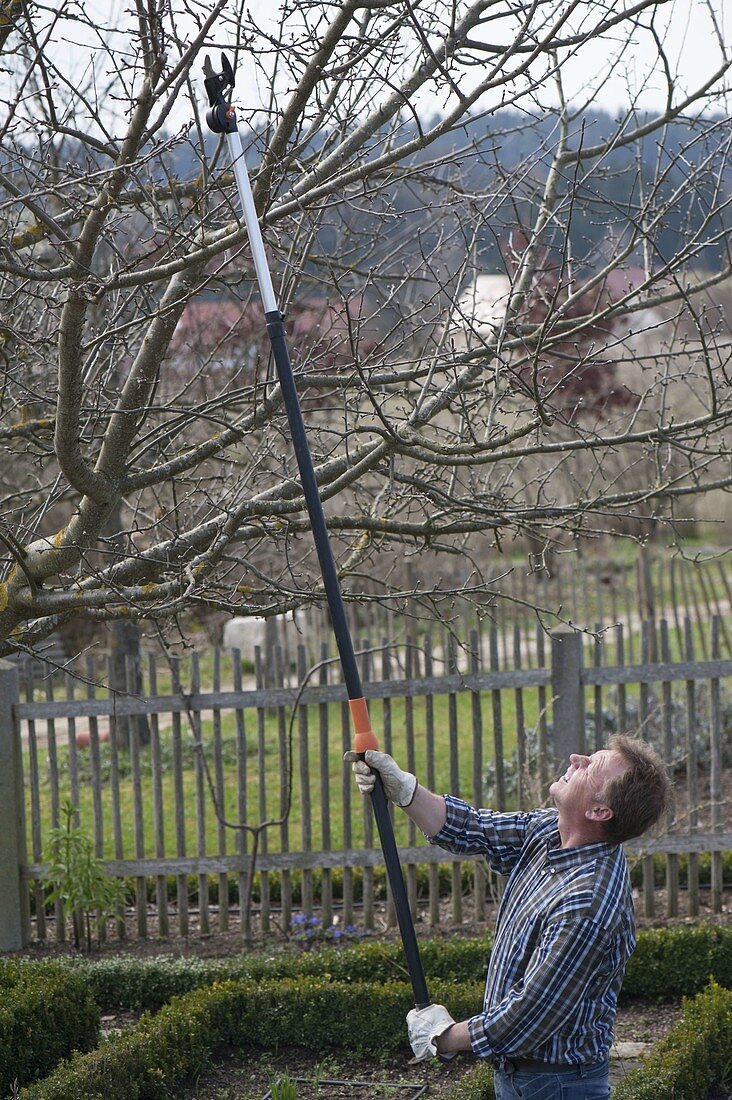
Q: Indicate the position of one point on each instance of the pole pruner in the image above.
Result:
(221, 119)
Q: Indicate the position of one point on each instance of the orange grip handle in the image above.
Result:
(364, 736)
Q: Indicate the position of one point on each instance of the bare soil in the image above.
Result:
(218, 944)
(333, 1077)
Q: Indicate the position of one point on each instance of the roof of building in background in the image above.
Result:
(317, 328)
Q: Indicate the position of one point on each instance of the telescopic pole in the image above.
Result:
(221, 119)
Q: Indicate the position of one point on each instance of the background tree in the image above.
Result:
(395, 147)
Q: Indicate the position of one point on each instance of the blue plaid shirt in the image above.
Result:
(564, 933)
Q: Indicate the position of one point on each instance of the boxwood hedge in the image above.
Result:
(668, 962)
(444, 880)
(150, 1061)
(45, 1014)
(692, 1062)
(679, 961)
(53, 999)
(693, 1059)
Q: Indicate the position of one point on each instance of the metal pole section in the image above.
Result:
(256, 244)
(222, 119)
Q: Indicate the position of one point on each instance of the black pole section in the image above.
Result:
(276, 330)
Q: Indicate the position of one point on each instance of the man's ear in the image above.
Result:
(600, 812)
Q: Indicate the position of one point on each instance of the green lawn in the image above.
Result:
(271, 763)
(272, 771)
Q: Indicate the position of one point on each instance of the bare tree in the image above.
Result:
(398, 148)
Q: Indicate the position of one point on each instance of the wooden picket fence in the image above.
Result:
(593, 592)
(165, 777)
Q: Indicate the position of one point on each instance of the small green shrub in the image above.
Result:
(150, 1061)
(444, 878)
(133, 984)
(13, 969)
(692, 1059)
(146, 1062)
(659, 869)
(283, 1088)
(675, 962)
(78, 877)
(477, 1084)
(45, 1014)
(444, 881)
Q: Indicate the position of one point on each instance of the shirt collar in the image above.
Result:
(573, 857)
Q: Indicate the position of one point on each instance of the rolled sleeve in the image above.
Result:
(479, 1041)
(454, 833)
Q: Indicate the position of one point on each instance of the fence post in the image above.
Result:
(13, 935)
(568, 726)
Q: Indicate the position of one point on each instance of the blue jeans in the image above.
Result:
(585, 1084)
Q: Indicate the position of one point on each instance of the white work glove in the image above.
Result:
(425, 1025)
(399, 786)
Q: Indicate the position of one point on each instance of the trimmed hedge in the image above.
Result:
(692, 1059)
(150, 1061)
(45, 1014)
(444, 875)
(132, 984)
(659, 869)
(679, 961)
(668, 962)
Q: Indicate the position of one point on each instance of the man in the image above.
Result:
(565, 927)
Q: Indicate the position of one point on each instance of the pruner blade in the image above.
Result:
(218, 83)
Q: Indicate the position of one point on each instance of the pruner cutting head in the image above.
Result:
(220, 117)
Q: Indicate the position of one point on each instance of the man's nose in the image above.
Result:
(578, 760)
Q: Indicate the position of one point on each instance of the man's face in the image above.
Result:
(580, 789)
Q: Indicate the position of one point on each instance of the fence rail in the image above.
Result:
(285, 697)
(173, 782)
(360, 857)
(657, 673)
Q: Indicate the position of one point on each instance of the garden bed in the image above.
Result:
(237, 1075)
(343, 1008)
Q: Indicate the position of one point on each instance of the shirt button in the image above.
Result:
(552, 870)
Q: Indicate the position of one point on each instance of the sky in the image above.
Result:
(687, 28)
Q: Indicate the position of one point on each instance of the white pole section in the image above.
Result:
(251, 221)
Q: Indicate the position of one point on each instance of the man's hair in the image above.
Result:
(640, 795)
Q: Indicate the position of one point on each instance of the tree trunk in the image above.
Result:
(125, 674)
(125, 667)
